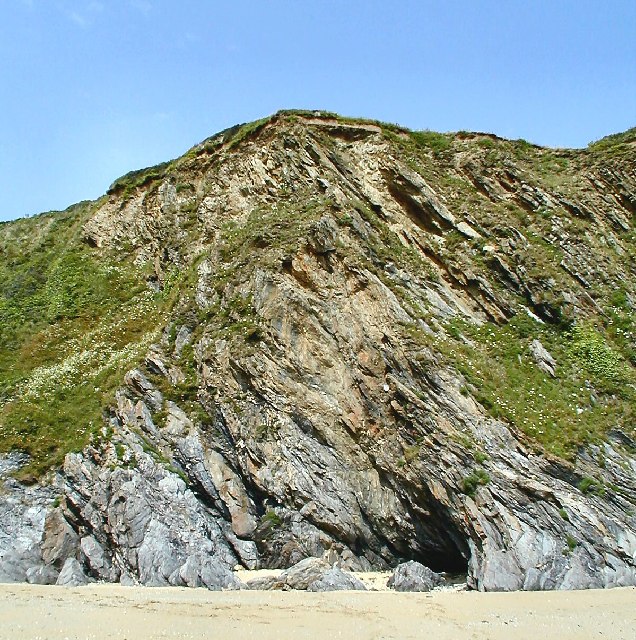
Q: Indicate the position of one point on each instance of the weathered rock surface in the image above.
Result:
(335, 579)
(413, 576)
(72, 574)
(310, 574)
(299, 407)
(23, 512)
(543, 357)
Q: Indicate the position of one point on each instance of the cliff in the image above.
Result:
(317, 336)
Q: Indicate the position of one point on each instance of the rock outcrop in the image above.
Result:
(335, 303)
(413, 576)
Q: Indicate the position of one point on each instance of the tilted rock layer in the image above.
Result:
(359, 343)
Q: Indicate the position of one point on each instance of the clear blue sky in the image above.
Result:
(92, 89)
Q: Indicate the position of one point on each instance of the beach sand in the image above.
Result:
(137, 613)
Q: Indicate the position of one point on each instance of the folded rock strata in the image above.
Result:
(295, 403)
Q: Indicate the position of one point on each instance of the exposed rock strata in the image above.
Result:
(321, 431)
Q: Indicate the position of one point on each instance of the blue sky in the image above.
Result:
(92, 89)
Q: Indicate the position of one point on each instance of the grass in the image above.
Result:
(585, 401)
(436, 142)
(71, 323)
(133, 180)
(571, 543)
(589, 485)
(271, 519)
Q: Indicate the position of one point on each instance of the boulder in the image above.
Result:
(206, 571)
(413, 576)
(304, 573)
(14, 565)
(41, 575)
(335, 579)
(72, 574)
(543, 358)
(266, 583)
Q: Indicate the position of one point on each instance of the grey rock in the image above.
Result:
(304, 573)
(145, 521)
(266, 583)
(72, 574)
(543, 358)
(335, 579)
(23, 508)
(414, 576)
(324, 233)
(139, 383)
(216, 576)
(42, 575)
(208, 572)
(158, 556)
(60, 541)
(97, 560)
(15, 564)
(183, 338)
(126, 580)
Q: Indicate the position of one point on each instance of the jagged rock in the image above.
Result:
(183, 338)
(97, 560)
(147, 514)
(15, 564)
(543, 358)
(414, 576)
(72, 574)
(23, 511)
(60, 541)
(138, 382)
(206, 571)
(304, 573)
(335, 579)
(323, 236)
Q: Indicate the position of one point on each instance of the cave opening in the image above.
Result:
(439, 545)
(438, 540)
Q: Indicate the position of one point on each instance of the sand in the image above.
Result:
(137, 613)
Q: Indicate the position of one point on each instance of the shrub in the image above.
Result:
(591, 350)
(437, 142)
(588, 485)
(477, 478)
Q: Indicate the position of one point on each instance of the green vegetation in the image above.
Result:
(591, 394)
(571, 542)
(589, 485)
(476, 479)
(615, 144)
(271, 519)
(591, 350)
(71, 323)
(133, 180)
(247, 131)
(437, 142)
(480, 457)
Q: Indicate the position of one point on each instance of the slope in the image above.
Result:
(347, 339)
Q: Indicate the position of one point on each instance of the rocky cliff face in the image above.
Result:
(332, 338)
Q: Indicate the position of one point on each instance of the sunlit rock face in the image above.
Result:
(319, 337)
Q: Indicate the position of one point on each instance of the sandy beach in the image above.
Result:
(137, 613)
